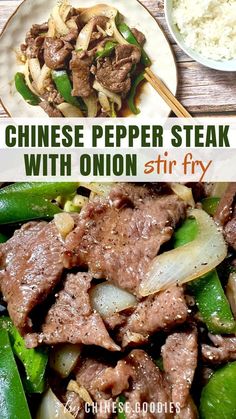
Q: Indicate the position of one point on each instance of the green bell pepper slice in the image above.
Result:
(120, 405)
(107, 50)
(210, 205)
(64, 87)
(30, 201)
(208, 292)
(131, 98)
(218, 398)
(25, 91)
(129, 36)
(34, 360)
(12, 397)
(3, 238)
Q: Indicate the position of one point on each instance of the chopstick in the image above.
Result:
(166, 94)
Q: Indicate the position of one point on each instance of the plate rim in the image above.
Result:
(138, 1)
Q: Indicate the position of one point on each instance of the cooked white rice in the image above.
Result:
(208, 26)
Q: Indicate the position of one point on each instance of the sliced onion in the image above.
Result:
(92, 105)
(231, 292)
(44, 75)
(98, 10)
(113, 96)
(188, 262)
(104, 102)
(64, 223)
(64, 358)
(61, 27)
(113, 31)
(51, 28)
(64, 9)
(108, 299)
(81, 391)
(51, 407)
(184, 193)
(27, 78)
(218, 189)
(71, 24)
(34, 68)
(102, 189)
(84, 37)
(69, 111)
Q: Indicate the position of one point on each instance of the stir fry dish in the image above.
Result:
(117, 300)
(82, 63)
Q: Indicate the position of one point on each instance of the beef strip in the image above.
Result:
(139, 36)
(80, 67)
(161, 311)
(88, 376)
(71, 36)
(180, 354)
(75, 405)
(72, 319)
(148, 385)
(51, 94)
(33, 47)
(31, 266)
(114, 73)
(56, 53)
(117, 237)
(37, 30)
(135, 376)
(224, 349)
(50, 109)
(226, 215)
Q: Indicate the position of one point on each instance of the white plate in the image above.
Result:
(38, 11)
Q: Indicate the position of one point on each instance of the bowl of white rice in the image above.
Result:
(205, 30)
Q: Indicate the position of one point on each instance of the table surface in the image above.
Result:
(203, 91)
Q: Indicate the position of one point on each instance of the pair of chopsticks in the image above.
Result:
(166, 94)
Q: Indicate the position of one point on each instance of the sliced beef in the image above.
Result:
(51, 94)
(180, 354)
(72, 319)
(89, 376)
(114, 73)
(161, 311)
(226, 215)
(135, 376)
(56, 53)
(225, 207)
(50, 109)
(139, 36)
(224, 349)
(148, 385)
(118, 237)
(75, 405)
(31, 266)
(189, 411)
(80, 66)
(71, 36)
(33, 47)
(37, 30)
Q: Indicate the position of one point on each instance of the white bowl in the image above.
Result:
(224, 65)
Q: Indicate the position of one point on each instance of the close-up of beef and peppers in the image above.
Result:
(83, 63)
(118, 300)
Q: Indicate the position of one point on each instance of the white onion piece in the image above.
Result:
(113, 31)
(71, 24)
(69, 110)
(108, 299)
(184, 193)
(218, 189)
(92, 105)
(188, 262)
(44, 75)
(84, 37)
(102, 189)
(113, 96)
(51, 28)
(64, 9)
(63, 358)
(27, 78)
(231, 292)
(98, 10)
(34, 68)
(61, 27)
(51, 407)
(104, 102)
